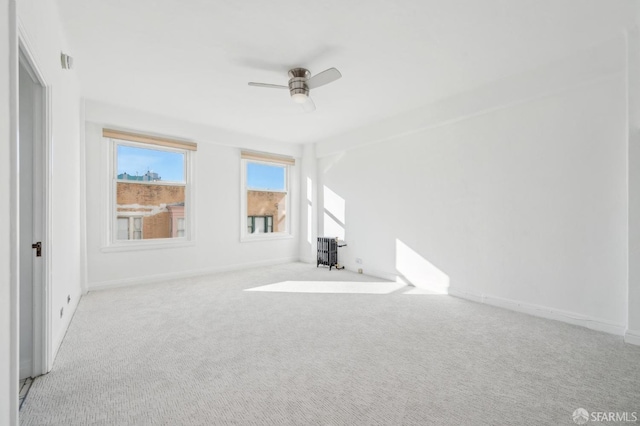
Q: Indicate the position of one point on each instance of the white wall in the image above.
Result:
(514, 194)
(44, 36)
(217, 203)
(308, 233)
(40, 26)
(8, 287)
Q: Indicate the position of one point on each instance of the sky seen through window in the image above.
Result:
(137, 161)
(265, 177)
(169, 165)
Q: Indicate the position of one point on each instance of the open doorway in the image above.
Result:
(31, 226)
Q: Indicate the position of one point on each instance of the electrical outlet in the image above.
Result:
(61, 312)
(68, 299)
(358, 261)
(359, 270)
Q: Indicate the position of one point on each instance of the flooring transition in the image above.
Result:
(309, 346)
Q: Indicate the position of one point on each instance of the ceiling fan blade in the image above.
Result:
(308, 105)
(269, 86)
(325, 77)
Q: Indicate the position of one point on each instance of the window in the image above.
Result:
(129, 228)
(265, 186)
(180, 227)
(258, 224)
(177, 221)
(150, 188)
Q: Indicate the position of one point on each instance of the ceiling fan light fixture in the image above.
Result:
(299, 98)
(300, 82)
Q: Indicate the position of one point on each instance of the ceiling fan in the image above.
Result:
(300, 82)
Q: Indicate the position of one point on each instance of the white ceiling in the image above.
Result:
(192, 59)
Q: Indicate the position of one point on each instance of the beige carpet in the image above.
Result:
(202, 351)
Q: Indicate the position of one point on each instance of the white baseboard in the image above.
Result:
(632, 337)
(126, 282)
(372, 272)
(592, 323)
(68, 313)
(465, 295)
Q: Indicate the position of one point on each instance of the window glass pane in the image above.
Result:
(137, 228)
(265, 177)
(258, 225)
(271, 203)
(150, 189)
(123, 228)
(266, 197)
(181, 227)
(149, 165)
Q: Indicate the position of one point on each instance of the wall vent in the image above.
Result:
(66, 61)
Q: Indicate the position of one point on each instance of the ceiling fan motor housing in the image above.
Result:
(298, 81)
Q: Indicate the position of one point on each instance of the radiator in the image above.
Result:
(327, 252)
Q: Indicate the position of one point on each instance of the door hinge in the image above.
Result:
(38, 247)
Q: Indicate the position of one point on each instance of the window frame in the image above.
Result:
(245, 236)
(110, 242)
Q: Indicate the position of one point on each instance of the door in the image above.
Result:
(31, 223)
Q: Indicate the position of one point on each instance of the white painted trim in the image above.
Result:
(632, 337)
(592, 323)
(152, 244)
(377, 273)
(632, 42)
(266, 237)
(108, 211)
(465, 295)
(43, 327)
(14, 267)
(66, 321)
(25, 371)
(84, 270)
(104, 285)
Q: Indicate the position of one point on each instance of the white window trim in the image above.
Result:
(109, 215)
(244, 235)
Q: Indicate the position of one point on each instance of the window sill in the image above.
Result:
(146, 245)
(264, 237)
